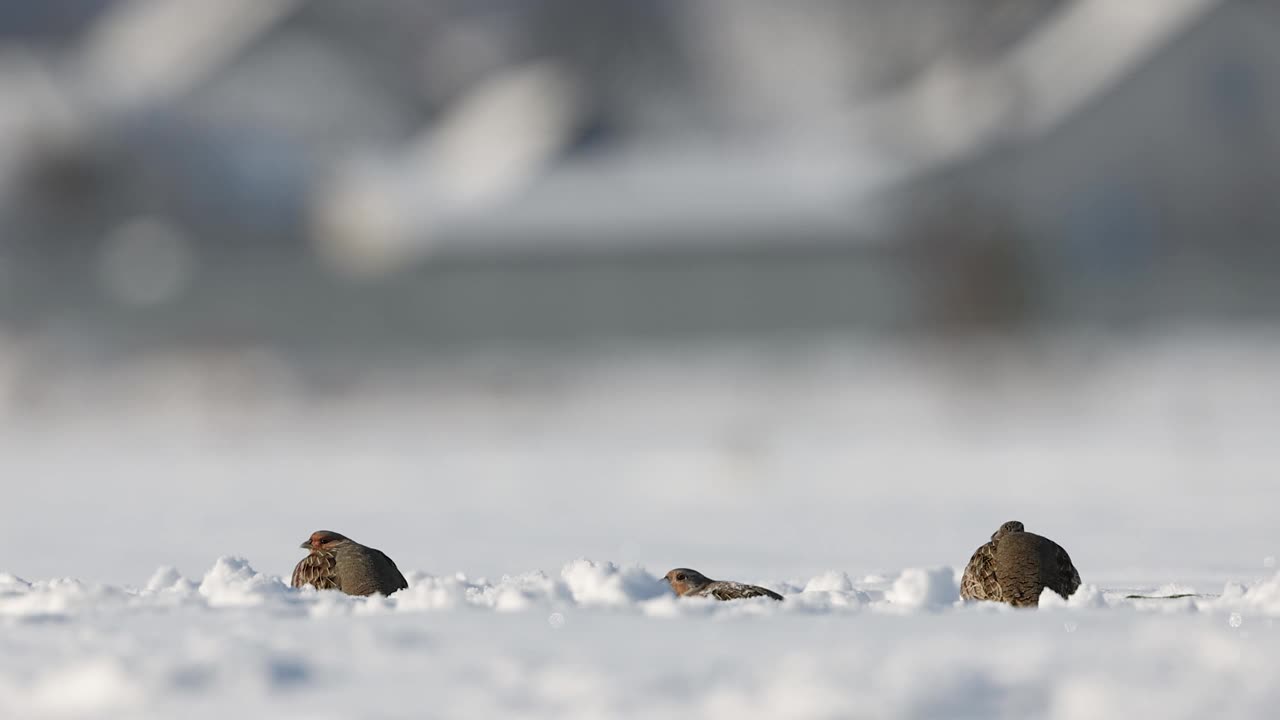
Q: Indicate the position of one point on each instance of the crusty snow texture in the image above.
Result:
(599, 640)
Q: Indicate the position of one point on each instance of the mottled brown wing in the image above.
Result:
(734, 591)
(320, 570)
(980, 581)
(393, 572)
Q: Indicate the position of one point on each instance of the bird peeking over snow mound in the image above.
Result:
(1016, 566)
(337, 562)
(691, 583)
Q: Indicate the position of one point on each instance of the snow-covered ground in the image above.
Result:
(855, 480)
(598, 641)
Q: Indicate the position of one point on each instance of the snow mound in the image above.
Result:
(511, 593)
(1085, 597)
(592, 583)
(831, 591)
(12, 585)
(1262, 598)
(168, 581)
(54, 599)
(524, 591)
(830, 581)
(924, 589)
(232, 581)
(588, 643)
(426, 592)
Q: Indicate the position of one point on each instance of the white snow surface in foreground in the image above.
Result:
(599, 640)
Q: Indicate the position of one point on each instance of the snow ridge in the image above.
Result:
(232, 582)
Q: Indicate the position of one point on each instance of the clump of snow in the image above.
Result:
(55, 598)
(1263, 598)
(232, 581)
(1233, 592)
(1088, 596)
(830, 581)
(592, 583)
(1171, 589)
(515, 646)
(1051, 599)
(1085, 596)
(511, 593)
(426, 592)
(827, 602)
(924, 589)
(169, 580)
(520, 592)
(668, 606)
(12, 585)
(830, 591)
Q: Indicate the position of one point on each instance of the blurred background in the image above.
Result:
(752, 287)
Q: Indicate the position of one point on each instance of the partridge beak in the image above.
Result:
(306, 545)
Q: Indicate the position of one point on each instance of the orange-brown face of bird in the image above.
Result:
(323, 540)
(684, 581)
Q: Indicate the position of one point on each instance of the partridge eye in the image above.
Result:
(680, 577)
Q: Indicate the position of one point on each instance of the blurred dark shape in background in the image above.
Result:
(355, 184)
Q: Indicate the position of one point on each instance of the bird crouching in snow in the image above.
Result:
(337, 562)
(1016, 566)
(691, 583)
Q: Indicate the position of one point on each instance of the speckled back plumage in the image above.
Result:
(727, 590)
(1016, 567)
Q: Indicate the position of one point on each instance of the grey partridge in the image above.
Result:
(1016, 566)
(337, 562)
(691, 583)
